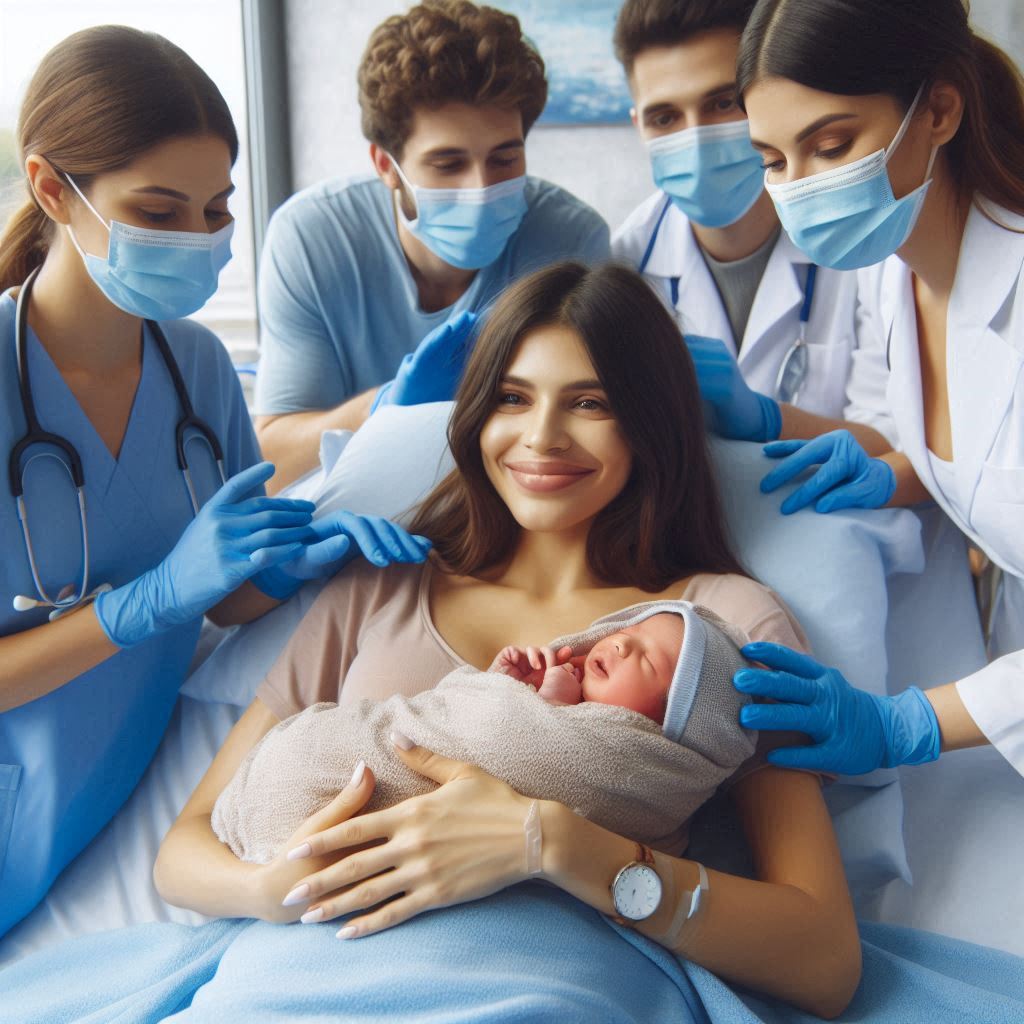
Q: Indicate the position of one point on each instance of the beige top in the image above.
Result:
(370, 635)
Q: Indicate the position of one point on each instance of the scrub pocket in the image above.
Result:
(10, 779)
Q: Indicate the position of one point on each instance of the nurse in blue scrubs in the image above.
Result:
(135, 499)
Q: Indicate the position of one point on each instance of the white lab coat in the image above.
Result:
(774, 321)
(985, 372)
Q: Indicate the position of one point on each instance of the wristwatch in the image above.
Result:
(637, 889)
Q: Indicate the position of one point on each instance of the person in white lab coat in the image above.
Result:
(710, 244)
(894, 142)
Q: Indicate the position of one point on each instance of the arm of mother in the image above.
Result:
(790, 933)
(194, 869)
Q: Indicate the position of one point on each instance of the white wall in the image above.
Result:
(605, 166)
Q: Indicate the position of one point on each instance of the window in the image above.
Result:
(210, 31)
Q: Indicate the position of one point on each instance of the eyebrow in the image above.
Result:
(576, 385)
(656, 108)
(450, 151)
(159, 190)
(809, 130)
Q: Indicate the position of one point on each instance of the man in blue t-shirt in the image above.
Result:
(355, 274)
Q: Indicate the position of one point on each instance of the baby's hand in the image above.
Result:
(562, 684)
(529, 664)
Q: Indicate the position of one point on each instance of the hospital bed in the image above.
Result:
(953, 829)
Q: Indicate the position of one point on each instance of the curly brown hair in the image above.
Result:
(446, 51)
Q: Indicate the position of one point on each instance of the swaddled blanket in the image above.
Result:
(610, 764)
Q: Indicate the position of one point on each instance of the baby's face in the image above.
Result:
(633, 668)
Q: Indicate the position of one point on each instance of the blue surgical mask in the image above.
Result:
(156, 275)
(466, 227)
(712, 172)
(848, 217)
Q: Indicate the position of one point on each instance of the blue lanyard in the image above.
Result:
(805, 309)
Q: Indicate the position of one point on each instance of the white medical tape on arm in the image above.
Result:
(534, 839)
(686, 908)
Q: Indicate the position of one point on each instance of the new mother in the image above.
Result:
(583, 484)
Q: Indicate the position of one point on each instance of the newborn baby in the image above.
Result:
(632, 668)
(633, 723)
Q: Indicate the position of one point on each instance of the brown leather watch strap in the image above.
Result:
(644, 855)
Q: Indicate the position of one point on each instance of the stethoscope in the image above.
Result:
(72, 462)
(793, 370)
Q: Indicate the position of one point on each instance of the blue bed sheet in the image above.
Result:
(530, 953)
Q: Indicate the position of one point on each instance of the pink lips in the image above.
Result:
(545, 475)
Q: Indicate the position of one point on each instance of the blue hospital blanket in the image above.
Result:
(528, 954)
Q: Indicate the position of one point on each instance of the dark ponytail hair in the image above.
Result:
(860, 47)
(98, 100)
(668, 522)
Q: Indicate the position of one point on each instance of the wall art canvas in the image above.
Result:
(586, 84)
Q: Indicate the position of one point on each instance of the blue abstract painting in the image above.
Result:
(586, 84)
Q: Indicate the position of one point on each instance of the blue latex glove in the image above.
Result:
(854, 731)
(380, 541)
(237, 533)
(739, 412)
(432, 372)
(848, 478)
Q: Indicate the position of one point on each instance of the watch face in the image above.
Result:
(637, 892)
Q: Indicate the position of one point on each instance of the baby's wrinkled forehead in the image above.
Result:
(666, 627)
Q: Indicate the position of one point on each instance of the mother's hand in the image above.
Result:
(282, 878)
(463, 841)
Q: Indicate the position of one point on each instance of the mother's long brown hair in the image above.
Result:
(667, 523)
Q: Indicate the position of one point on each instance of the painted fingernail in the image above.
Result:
(348, 932)
(401, 741)
(312, 916)
(298, 895)
(299, 852)
(357, 775)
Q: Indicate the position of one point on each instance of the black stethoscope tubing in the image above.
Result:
(35, 433)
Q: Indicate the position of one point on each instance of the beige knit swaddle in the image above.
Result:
(608, 763)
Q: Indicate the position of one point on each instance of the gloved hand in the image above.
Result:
(854, 731)
(848, 478)
(739, 412)
(237, 533)
(431, 373)
(330, 547)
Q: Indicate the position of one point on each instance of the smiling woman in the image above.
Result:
(583, 485)
(552, 355)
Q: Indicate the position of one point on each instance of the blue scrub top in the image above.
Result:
(338, 304)
(70, 759)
